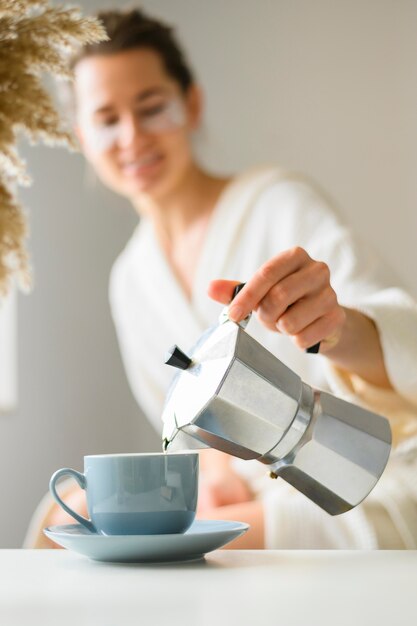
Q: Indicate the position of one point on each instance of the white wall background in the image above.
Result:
(327, 87)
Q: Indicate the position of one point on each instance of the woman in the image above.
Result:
(137, 106)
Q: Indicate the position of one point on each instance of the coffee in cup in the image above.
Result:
(136, 494)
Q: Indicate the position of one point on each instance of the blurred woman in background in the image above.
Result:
(137, 106)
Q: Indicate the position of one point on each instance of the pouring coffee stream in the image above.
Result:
(232, 394)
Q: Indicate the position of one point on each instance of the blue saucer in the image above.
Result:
(202, 537)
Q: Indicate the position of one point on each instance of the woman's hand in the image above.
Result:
(292, 294)
(219, 485)
(225, 495)
(218, 489)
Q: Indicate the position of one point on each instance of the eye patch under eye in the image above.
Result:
(102, 137)
(159, 118)
(163, 117)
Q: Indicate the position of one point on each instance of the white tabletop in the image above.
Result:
(283, 588)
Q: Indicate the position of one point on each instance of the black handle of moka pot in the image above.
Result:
(237, 289)
(311, 350)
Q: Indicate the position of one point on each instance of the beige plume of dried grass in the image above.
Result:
(35, 39)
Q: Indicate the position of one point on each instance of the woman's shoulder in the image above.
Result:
(257, 179)
(276, 182)
(273, 193)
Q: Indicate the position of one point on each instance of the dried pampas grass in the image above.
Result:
(35, 38)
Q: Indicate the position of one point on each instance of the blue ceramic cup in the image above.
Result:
(136, 494)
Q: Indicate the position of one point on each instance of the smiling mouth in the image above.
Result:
(140, 166)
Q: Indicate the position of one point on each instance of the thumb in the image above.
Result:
(222, 290)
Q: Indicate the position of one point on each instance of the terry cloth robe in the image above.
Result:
(261, 213)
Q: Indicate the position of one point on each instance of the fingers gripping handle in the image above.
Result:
(311, 350)
(80, 479)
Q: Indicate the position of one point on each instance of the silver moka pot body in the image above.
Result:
(234, 395)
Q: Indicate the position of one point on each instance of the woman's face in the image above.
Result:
(134, 122)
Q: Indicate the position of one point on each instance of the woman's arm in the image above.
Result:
(250, 512)
(55, 515)
(357, 349)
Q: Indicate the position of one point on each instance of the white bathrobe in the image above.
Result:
(261, 213)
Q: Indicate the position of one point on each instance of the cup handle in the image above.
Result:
(80, 478)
